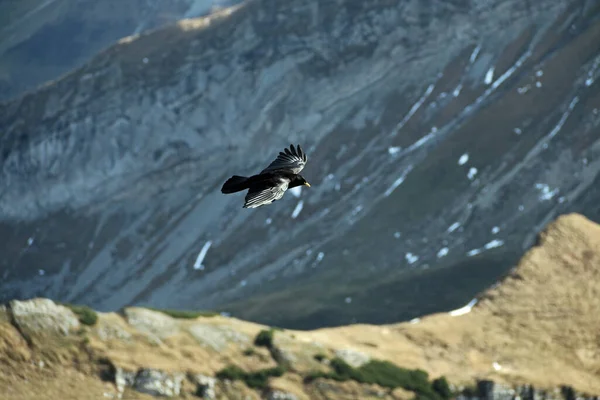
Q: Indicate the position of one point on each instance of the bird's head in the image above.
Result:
(299, 181)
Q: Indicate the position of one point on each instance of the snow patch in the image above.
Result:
(41, 272)
(493, 244)
(268, 221)
(348, 300)
(496, 366)
(443, 252)
(201, 255)
(472, 172)
(463, 310)
(463, 159)
(474, 54)
(473, 252)
(398, 181)
(413, 109)
(394, 150)
(489, 76)
(397, 235)
(298, 208)
(545, 192)
(320, 257)
(453, 227)
(415, 320)
(456, 91)
(495, 230)
(30, 241)
(411, 258)
(518, 131)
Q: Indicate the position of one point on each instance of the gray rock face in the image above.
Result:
(353, 357)
(43, 316)
(40, 41)
(441, 137)
(279, 395)
(155, 324)
(205, 387)
(490, 390)
(158, 383)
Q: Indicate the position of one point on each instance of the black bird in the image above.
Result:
(272, 182)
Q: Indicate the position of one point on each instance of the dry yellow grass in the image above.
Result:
(540, 325)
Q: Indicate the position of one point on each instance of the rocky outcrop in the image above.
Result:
(514, 332)
(42, 316)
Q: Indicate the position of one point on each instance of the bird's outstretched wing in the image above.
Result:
(259, 197)
(292, 159)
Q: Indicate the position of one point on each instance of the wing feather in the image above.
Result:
(259, 197)
(292, 159)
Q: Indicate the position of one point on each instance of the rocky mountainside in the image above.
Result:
(535, 335)
(441, 137)
(42, 40)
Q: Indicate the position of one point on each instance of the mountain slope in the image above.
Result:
(42, 40)
(441, 137)
(537, 327)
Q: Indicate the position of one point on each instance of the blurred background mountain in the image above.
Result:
(441, 137)
(41, 40)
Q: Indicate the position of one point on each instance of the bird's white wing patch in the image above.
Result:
(266, 196)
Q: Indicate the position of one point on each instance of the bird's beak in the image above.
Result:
(307, 184)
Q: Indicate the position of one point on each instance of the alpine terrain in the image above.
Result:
(441, 137)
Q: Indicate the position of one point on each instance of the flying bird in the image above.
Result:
(271, 183)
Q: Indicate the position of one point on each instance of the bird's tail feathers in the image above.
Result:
(235, 184)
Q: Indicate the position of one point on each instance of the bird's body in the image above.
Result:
(271, 183)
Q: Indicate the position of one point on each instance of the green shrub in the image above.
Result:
(442, 388)
(183, 314)
(255, 380)
(320, 357)
(86, 315)
(232, 373)
(383, 373)
(264, 338)
(249, 352)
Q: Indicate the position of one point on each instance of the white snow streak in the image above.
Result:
(489, 76)
(473, 252)
(453, 227)
(413, 109)
(398, 181)
(443, 252)
(474, 54)
(493, 244)
(298, 208)
(463, 310)
(564, 117)
(456, 91)
(201, 255)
